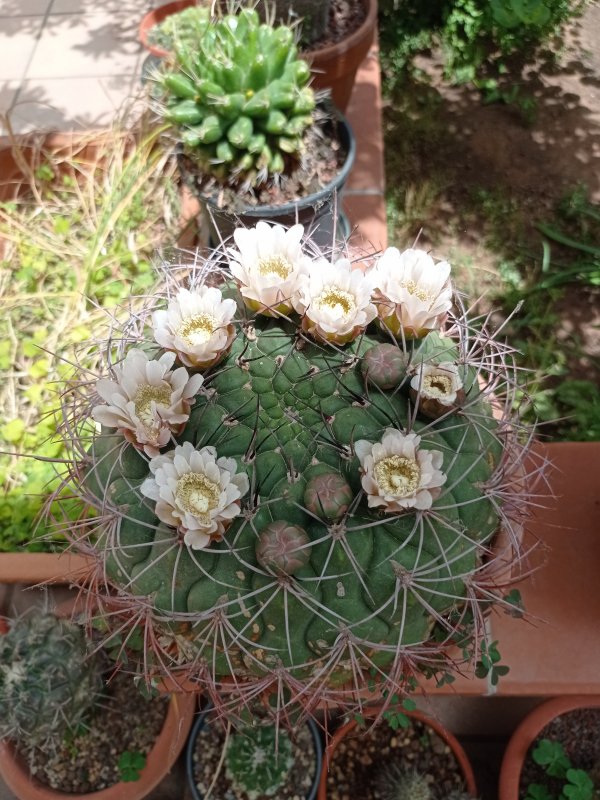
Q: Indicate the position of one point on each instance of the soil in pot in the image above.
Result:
(345, 17)
(362, 762)
(208, 751)
(88, 761)
(578, 731)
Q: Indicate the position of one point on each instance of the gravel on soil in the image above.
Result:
(88, 761)
(360, 762)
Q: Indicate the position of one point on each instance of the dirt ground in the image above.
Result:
(475, 178)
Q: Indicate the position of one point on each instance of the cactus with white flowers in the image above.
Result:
(310, 500)
(238, 97)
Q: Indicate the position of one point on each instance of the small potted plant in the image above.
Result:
(334, 55)
(252, 760)
(65, 731)
(412, 757)
(301, 470)
(554, 752)
(254, 142)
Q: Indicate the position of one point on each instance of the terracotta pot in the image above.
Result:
(528, 730)
(33, 568)
(445, 735)
(155, 17)
(159, 762)
(334, 66)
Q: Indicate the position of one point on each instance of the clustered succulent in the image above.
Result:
(298, 470)
(239, 96)
(48, 682)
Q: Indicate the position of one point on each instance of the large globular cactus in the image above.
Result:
(238, 96)
(299, 470)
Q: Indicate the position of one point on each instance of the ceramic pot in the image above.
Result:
(349, 728)
(527, 732)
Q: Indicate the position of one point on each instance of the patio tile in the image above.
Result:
(133, 8)
(14, 8)
(69, 103)
(18, 39)
(556, 650)
(8, 90)
(86, 45)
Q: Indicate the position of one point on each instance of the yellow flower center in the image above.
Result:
(412, 287)
(437, 386)
(337, 300)
(197, 495)
(397, 476)
(277, 266)
(198, 329)
(144, 398)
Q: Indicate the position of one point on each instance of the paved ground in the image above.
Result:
(68, 63)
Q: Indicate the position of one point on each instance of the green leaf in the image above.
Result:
(551, 755)
(13, 431)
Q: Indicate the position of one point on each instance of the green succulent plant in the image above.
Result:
(395, 783)
(48, 682)
(238, 97)
(299, 508)
(258, 760)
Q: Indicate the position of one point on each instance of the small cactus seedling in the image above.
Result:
(395, 783)
(48, 682)
(258, 760)
(298, 474)
(239, 97)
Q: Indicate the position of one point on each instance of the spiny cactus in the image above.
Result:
(395, 783)
(239, 97)
(48, 684)
(277, 510)
(258, 760)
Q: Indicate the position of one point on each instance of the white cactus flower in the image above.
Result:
(197, 326)
(397, 474)
(440, 382)
(267, 264)
(147, 401)
(414, 293)
(196, 492)
(335, 301)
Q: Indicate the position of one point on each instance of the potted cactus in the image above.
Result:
(254, 142)
(54, 702)
(299, 474)
(413, 758)
(334, 63)
(252, 760)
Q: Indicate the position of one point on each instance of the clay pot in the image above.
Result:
(334, 66)
(159, 762)
(526, 733)
(33, 568)
(445, 735)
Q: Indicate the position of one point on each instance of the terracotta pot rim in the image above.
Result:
(527, 731)
(442, 732)
(363, 32)
(161, 758)
(154, 17)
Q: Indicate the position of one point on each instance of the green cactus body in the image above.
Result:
(395, 783)
(338, 555)
(241, 84)
(288, 416)
(258, 761)
(48, 685)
